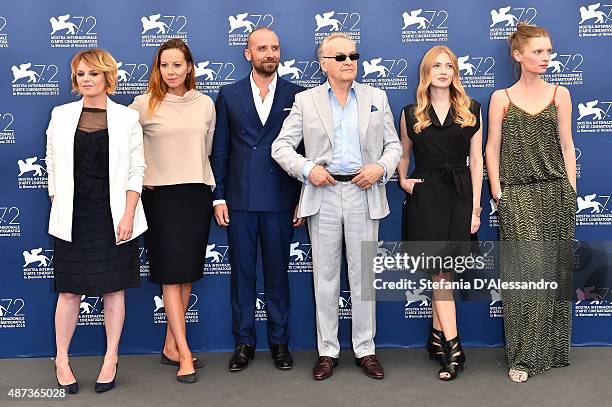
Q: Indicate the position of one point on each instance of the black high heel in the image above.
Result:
(453, 361)
(435, 346)
(72, 388)
(102, 387)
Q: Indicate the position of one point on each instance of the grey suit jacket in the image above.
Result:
(311, 120)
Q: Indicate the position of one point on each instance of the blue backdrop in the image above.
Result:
(38, 39)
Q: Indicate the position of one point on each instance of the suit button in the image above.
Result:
(254, 148)
(271, 170)
(242, 131)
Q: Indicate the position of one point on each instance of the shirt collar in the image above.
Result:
(271, 86)
(331, 91)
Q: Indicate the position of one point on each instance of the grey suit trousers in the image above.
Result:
(343, 214)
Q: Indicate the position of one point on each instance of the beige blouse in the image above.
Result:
(178, 138)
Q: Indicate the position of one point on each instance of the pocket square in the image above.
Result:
(373, 109)
(286, 109)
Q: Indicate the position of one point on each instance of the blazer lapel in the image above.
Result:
(364, 103)
(248, 104)
(114, 131)
(321, 99)
(72, 122)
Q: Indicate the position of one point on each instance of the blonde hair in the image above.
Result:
(157, 88)
(100, 59)
(327, 39)
(518, 39)
(460, 101)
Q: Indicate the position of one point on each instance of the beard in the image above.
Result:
(266, 68)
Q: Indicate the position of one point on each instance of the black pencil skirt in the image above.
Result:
(179, 222)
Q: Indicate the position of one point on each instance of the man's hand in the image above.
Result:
(221, 214)
(297, 222)
(320, 177)
(368, 175)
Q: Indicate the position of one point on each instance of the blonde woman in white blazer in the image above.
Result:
(96, 165)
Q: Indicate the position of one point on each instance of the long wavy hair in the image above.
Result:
(157, 88)
(460, 101)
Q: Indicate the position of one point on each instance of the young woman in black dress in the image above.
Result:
(443, 192)
(95, 163)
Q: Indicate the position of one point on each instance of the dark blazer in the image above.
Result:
(246, 176)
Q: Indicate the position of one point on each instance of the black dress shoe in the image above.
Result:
(281, 356)
(72, 388)
(240, 359)
(165, 360)
(102, 387)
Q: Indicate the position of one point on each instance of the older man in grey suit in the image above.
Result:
(351, 150)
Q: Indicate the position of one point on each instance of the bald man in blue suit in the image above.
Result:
(254, 198)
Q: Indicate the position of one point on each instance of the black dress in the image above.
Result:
(440, 208)
(92, 264)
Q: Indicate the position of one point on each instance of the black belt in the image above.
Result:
(343, 177)
(451, 175)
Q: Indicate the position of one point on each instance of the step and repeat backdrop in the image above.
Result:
(38, 39)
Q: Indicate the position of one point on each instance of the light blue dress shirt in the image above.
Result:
(347, 147)
(347, 158)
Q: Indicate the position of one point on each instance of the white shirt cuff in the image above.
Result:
(218, 202)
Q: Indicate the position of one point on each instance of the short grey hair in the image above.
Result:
(328, 39)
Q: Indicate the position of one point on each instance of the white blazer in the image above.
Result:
(126, 164)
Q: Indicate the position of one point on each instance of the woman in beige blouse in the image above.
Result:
(178, 124)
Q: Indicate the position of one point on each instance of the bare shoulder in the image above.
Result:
(563, 92)
(498, 98)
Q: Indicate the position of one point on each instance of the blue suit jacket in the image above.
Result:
(246, 176)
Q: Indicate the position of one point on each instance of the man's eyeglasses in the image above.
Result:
(342, 57)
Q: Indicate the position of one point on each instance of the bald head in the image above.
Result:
(253, 35)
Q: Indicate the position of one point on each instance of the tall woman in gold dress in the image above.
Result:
(531, 164)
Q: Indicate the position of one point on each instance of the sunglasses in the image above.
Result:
(341, 57)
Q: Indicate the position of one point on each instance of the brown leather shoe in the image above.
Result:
(371, 366)
(324, 367)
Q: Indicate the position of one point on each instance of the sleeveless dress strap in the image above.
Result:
(508, 95)
(554, 93)
(507, 107)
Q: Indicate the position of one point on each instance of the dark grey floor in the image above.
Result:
(410, 381)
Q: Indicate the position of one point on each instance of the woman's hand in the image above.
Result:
(125, 228)
(407, 184)
(475, 223)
